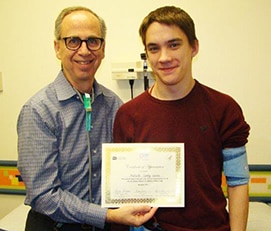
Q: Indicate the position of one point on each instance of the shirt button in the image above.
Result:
(94, 175)
(94, 151)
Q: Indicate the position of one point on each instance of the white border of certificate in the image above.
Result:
(143, 173)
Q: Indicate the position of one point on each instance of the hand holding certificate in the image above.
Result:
(143, 173)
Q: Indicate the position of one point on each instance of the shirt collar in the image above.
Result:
(64, 89)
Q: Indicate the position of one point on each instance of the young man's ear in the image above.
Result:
(195, 48)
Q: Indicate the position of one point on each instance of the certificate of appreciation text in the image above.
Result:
(143, 173)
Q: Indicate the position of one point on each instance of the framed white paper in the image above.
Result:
(143, 173)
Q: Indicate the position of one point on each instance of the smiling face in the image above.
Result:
(79, 66)
(169, 54)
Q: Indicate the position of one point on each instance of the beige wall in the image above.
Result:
(234, 55)
(9, 202)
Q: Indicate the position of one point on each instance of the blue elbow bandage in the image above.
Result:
(235, 166)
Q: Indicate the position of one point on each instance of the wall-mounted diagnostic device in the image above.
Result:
(145, 70)
(130, 70)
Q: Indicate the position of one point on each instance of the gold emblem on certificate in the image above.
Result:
(143, 173)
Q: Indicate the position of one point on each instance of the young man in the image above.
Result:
(60, 133)
(177, 108)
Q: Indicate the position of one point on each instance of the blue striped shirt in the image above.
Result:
(53, 151)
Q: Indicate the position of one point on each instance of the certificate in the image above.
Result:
(143, 173)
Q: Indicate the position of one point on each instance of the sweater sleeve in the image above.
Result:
(234, 130)
(123, 129)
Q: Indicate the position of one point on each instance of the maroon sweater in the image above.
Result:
(206, 121)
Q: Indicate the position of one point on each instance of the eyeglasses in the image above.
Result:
(74, 43)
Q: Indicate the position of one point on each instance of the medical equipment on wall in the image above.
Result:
(131, 71)
(145, 68)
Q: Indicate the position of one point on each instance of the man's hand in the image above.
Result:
(130, 215)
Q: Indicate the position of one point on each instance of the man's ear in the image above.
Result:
(195, 48)
(103, 49)
(57, 49)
